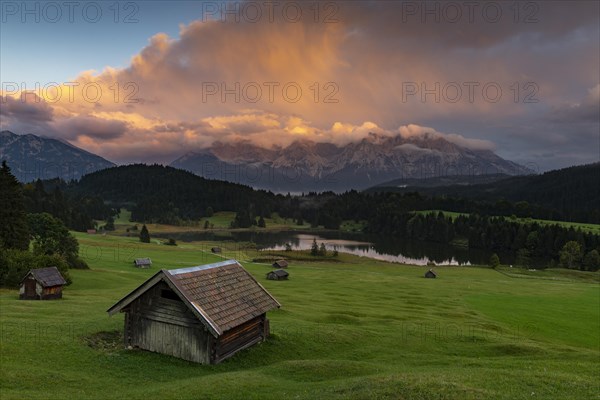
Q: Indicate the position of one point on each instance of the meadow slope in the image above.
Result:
(353, 329)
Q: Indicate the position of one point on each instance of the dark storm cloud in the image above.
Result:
(91, 127)
(27, 108)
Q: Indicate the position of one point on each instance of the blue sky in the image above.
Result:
(48, 51)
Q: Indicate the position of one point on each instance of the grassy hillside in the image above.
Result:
(354, 329)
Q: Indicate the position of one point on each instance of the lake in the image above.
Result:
(363, 245)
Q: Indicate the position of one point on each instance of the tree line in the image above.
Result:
(159, 194)
(31, 240)
(77, 212)
(568, 194)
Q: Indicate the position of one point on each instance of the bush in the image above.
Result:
(78, 263)
(171, 242)
(494, 261)
(591, 261)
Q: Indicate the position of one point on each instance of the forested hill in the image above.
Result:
(164, 194)
(573, 193)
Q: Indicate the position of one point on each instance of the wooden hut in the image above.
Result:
(280, 264)
(277, 275)
(142, 262)
(42, 284)
(215, 250)
(430, 274)
(203, 314)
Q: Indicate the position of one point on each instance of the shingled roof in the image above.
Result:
(280, 273)
(280, 264)
(47, 277)
(142, 261)
(222, 295)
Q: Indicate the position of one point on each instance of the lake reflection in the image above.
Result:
(365, 249)
(363, 245)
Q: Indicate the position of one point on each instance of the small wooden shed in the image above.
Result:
(430, 274)
(42, 284)
(215, 250)
(280, 264)
(203, 314)
(277, 275)
(142, 262)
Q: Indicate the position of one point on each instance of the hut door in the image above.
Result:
(30, 288)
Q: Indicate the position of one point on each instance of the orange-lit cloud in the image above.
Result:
(274, 83)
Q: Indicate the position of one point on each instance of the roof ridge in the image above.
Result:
(201, 267)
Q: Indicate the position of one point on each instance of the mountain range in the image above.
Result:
(32, 157)
(302, 166)
(310, 166)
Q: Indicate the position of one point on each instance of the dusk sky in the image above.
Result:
(150, 81)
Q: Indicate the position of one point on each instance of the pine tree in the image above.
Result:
(314, 249)
(110, 224)
(14, 232)
(522, 258)
(144, 235)
(261, 222)
(322, 250)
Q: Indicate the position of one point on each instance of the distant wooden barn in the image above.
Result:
(430, 274)
(215, 250)
(203, 314)
(277, 275)
(42, 284)
(142, 262)
(280, 264)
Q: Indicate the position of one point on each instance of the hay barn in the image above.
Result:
(280, 264)
(142, 262)
(203, 314)
(277, 275)
(430, 274)
(42, 284)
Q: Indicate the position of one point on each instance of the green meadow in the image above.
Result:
(219, 221)
(351, 329)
